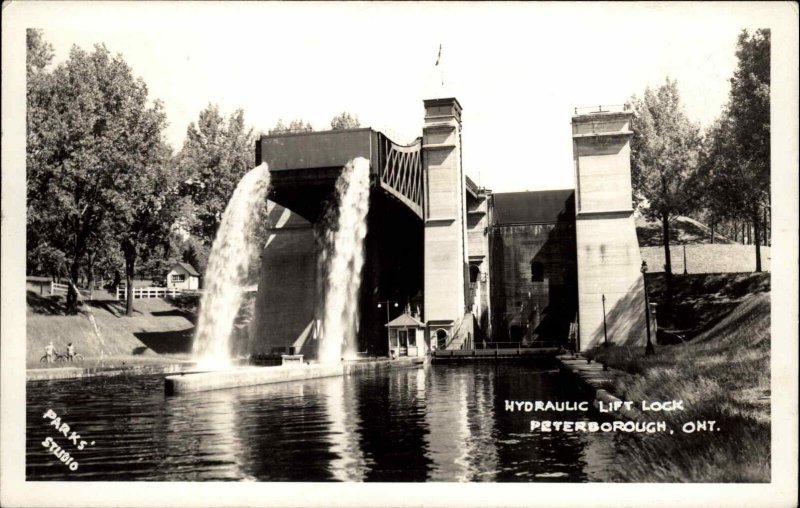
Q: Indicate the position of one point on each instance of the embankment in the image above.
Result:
(158, 328)
(723, 375)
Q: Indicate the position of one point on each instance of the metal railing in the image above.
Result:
(608, 108)
(519, 344)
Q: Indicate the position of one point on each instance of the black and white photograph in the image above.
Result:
(399, 254)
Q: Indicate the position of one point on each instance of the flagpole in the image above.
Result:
(440, 66)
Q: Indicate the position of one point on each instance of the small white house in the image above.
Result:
(407, 337)
(183, 276)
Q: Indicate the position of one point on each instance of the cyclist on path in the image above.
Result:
(50, 351)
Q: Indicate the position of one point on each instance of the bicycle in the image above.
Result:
(58, 357)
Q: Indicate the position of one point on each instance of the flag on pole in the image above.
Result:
(439, 65)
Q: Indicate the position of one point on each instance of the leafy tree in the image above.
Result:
(345, 121)
(145, 219)
(664, 152)
(102, 253)
(39, 53)
(712, 174)
(195, 253)
(749, 118)
(296, 125)
(42, 255)
(735, 166)
(91, 133)
(107, 264)
(46, 259)
(216, 154)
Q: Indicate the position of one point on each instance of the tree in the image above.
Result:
(296, 125)
(664, 152)
(42, 255)
(345, 121)
(735, 166)
(91, 132)
(718, 190)
(748, 113)
(216, 154)
(146, 217)
(39, 53)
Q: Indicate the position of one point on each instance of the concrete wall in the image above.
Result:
(601, 153)
(478, 252)
(527, 310)
(609, 264)
(287, 289)
(607, 247)
(476, 234)
(445, 262)
(604, 183)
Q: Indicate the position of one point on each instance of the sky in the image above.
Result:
(518, 70)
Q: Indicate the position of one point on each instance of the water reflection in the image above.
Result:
(440, 423)
(446, 442)
(482, 437)
(349, 465)
(392, 425)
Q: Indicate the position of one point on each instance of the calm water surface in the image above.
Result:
(440, 423)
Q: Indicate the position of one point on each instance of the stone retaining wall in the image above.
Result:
(600, 382)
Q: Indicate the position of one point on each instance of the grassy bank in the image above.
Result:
(683, 230)
(159, 330)
(700, 301)
(721, 375)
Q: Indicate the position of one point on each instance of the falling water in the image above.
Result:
(234, 248)
(344, 259)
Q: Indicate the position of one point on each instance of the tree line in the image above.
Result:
(720, 176)
(105, 193)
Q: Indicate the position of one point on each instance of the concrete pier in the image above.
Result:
(251, 376)
(598, 380)
(247, 376)
(74, 372)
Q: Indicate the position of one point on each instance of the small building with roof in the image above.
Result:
(407, 336)
(182, 276)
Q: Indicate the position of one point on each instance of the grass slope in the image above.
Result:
(701, 300)
(701, 256)
(158, 327)
(682, 230)
(722, 375)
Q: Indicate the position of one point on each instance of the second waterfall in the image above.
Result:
(344, 260)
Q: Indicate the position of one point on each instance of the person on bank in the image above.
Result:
(70, 352)
(50, 352)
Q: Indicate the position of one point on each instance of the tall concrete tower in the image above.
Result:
(609, 260)
(446, 261)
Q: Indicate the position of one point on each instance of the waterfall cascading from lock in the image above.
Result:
(344, 261)
(235, 248)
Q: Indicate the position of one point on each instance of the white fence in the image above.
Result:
(122, 292)
(56, 288)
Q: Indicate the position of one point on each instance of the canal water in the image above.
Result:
(438, 423)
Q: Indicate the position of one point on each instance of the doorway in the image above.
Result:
(402, 339)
